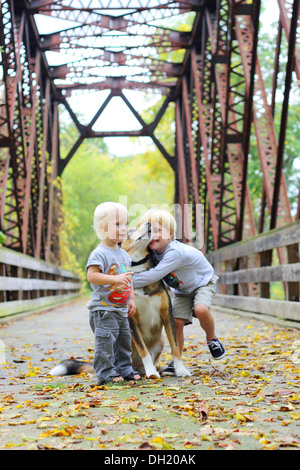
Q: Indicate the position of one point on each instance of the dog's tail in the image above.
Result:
(72, 367)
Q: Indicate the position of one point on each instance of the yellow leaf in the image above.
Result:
(286, 422)
(10, 444)
(245, 373)
(263, 441)
(204, 437)
(160, 443)
(17, 423)
(66, 431)
(158, 440)
(240, 417)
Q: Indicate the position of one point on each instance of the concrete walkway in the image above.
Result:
(249, 400)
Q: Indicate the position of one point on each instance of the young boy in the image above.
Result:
(191, 277)
(112, 300)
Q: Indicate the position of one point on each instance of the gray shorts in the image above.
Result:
(183, 304)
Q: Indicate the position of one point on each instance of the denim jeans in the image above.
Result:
(112, 354)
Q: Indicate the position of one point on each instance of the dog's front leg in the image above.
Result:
(180, 369)
(150, 369)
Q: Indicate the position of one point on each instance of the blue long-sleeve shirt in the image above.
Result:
(183, 267)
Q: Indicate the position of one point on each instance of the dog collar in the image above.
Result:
(137, 263)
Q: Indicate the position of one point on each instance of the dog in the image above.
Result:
(153, 313)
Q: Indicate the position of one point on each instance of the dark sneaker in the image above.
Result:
(169, 370)
(216, 349)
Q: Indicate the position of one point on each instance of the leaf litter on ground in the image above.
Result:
(248, 400)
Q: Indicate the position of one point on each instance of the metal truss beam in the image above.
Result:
(218, 97)
(25, 146)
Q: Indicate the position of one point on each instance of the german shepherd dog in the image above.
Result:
(153, 312)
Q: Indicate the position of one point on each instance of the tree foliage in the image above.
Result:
(94, 176)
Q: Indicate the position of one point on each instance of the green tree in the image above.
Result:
(94, 176)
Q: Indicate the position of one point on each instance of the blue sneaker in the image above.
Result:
(169, 370)
(216, 349)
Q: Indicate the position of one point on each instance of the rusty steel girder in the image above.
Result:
(210, 70)
(230, 96)
(222, 122)
(27, 115)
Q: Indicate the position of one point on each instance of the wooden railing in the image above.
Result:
(247, 270)
(28, 284)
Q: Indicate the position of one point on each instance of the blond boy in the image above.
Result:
(191, 277)
(112, 300)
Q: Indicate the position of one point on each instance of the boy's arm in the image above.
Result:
(131, 303)
(170, 261)
(95, 276)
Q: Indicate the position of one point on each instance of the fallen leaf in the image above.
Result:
(145, 445)
(203, 411)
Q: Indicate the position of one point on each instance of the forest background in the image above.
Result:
(95, 175)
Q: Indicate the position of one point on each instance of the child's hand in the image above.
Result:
(131, 308)
(122, 280)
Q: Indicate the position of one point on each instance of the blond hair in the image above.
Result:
(161, 217)
(105, 212)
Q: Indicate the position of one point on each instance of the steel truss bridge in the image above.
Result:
(210, 72)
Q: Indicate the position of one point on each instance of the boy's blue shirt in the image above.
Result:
(182, 267)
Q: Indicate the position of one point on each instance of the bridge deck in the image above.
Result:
(252, 396)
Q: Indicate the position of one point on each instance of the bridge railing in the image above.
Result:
(247, 272)
(28, 284)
